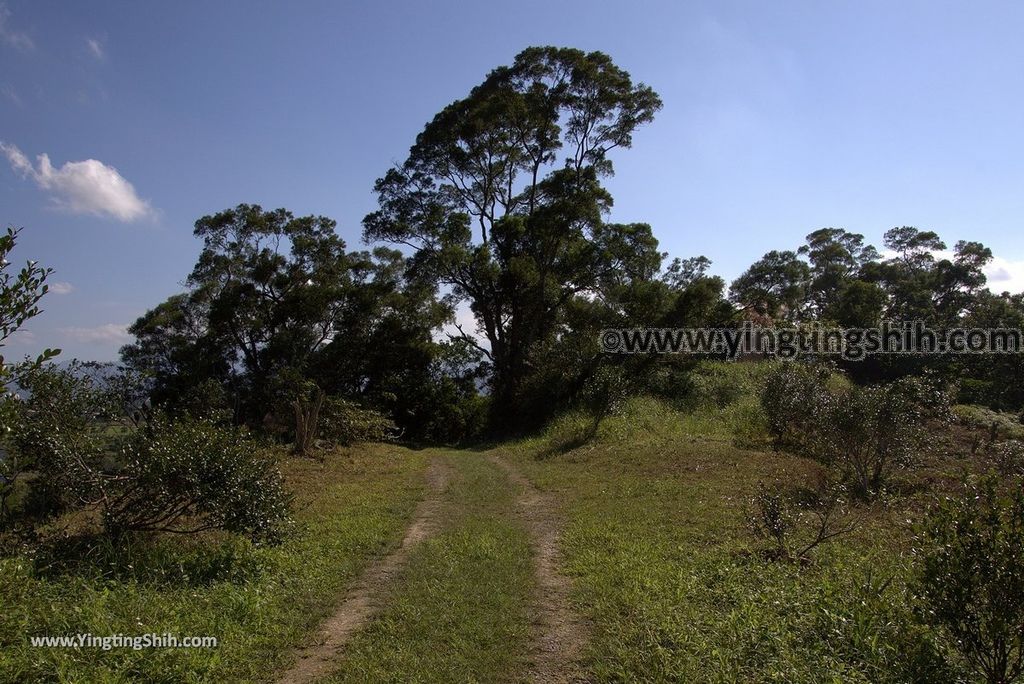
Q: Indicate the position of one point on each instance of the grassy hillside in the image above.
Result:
(652, 506)
(668, 572)
(258, 602)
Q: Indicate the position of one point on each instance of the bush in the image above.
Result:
(868, 431)
(971, 582)
(865, 432)
(78, 448)
(793, 396)
(191, 476)
(345, 422)
(65, 435)
(1008, 457)
(796, 522)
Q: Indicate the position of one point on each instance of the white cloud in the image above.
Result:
(95, 47)
(82, 187)
(18, 40)
(108, 332)
(1005, 275)
(1002, 275)
(62, 288)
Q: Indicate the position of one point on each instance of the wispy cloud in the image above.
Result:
(82, 187)
(13, 96)
(108, 332)
(95, 47)
(61, 288)
(24, 336)
(19, 40)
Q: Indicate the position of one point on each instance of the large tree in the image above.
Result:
(836, 257)
(274, 301)
(502, 202)
(776, 285)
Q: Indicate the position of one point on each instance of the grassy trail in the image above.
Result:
(461, 609)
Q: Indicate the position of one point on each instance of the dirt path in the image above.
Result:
(560, 633)
(368, 593)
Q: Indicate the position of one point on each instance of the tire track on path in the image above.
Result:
(559, 632)
(369, 592)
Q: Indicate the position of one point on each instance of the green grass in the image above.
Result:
(259, 602)
(1004, 425)
(460, 610)
(666, 570)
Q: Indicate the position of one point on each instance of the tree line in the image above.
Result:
(501, 209)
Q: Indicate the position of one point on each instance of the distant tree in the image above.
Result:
(267, 291)
(836, 258)
(501, 200)
(274, 300)
(175, 349)
(921, 286)
(683, 272)
(776, 285)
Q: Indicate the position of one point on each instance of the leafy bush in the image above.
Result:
(997, 424)
(345, 422)
(65, 434)
(971, 582)
(865, 432)
(82, 450)
(1008, 457)
(190, 476)
(793, 396)
(868, 431)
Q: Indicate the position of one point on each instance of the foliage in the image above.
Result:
(190, 476)
(492, 164)
(971, 581)
(344, 422)
(863, 431)
(20, 294)
(66, 435)
(1008, 457)
(84, 451)
(774, 286)
(792, 398)
(259, 600)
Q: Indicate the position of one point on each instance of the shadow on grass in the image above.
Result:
(148, 559)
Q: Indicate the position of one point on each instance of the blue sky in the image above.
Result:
(779, 118)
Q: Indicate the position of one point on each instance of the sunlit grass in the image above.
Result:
(258, 602)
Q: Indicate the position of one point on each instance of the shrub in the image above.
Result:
(971, 581)
(868, 431)
(797, 522)
(190, 476)
(792, 397)
(65, 434)
(83, 451)
(865, 432)
(1008, 457)
(345, 422)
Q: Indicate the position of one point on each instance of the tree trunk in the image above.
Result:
(307, 418)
